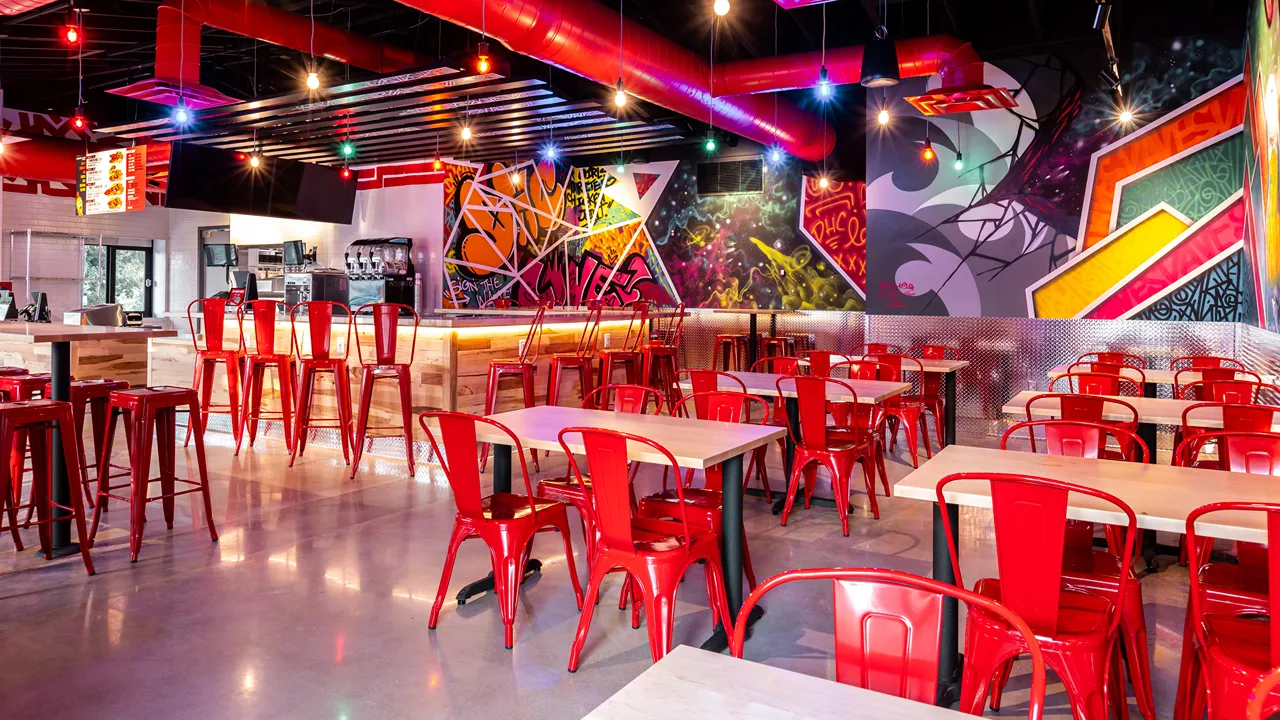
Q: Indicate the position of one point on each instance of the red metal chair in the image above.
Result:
(581, 359)
(661, 354)
(1114, 357)
(1199, 362)
(1076, 629)
(868, 349)
(260, 354)
(864, 418)
(703, 504)
(887, 630)
(1093, 409)
(910, 411)
(506, 522)
(14, 388)
(150, 413)
(655, 554)
(1095, 570)
(1234, 417)
(1262, 705)
(89, 398)
(524, 368)
(837, 452)
(385, 364)
(1226, 385)
(31, 423)
(702, 381)
(732, 347)
(315, 355)
(1096, 383)
(819, 361)
(778, 365)
(781, 346)
(1234, 646)
(577, 491)
(1133, 375)
(628, 355)
(931, 383)
(215, 351)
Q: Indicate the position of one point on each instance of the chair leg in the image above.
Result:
(459, 534)
(599, 569)
(8, 499)
(793, 485)
(199, 384)
(284, 372)
(164, 448)
(406, 415)
(561, 524)
(41, 484)
(362, 419)
(527, 378)
(141, 462)
(104, 465)
(70, 452)
(342, 387)
(300, 418)
(203, 468)
(491, 404)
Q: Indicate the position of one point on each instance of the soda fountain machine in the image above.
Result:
(380, 270)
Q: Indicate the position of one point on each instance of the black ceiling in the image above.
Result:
(39, 72)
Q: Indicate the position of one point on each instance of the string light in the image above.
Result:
(1126, 116)
(549, 152)
(883, 117)
(710, 145)
(313, 80)
(254, 161)
(437, 164)
(71, 34)
(823, 182)
(466, 133)
(775, 156)
(620, 95)
(959, 164)
(483, 65)
(516, 178)
(346, 173)
(928, 154)
(824, 83)
(721, 7)
(182, 115)
(348, 149)
(78, 120)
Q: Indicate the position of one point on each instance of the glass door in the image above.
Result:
(129, 279)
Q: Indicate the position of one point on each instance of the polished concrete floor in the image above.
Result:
(314, 604)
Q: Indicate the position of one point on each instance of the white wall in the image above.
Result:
(184, 261)
(412, 211)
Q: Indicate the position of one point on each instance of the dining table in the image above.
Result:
(59, 337)
(1161, 496)
(1153, 377)
(948, 369)
(695, 444)
(692, 683)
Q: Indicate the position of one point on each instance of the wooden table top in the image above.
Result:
(693, 683)
(766, 384)
(1162, 496)
(1152, 375)
(52, 332)
(697, 444)
(1160, 411)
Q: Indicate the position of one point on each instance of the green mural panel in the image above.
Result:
(1193, 185)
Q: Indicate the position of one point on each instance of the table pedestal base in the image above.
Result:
(485, 584)
(719, 640)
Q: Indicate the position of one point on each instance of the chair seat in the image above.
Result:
(700, 498)
(160, 396)
(659, 536)
(1245, 640)
(1079, 613)
(510, 364)
(510, 506)
(839, 440)
(1095, 562)
(271, 358)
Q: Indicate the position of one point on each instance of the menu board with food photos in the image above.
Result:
(112, 181)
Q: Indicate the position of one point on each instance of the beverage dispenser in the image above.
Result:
(380, 270)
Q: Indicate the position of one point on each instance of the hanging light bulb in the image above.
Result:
(182, 115)
(619, 95)
(710, 144)
(313, 80)
(883, 117)
(348, 149)
(254, 160)
(549, 152)
(71, 34)
(823, 182)
(959, 164)
(516, 178)
(437, 164)
(466, 133)
(1, 148)
(346, 173)
(775, 156)
(824, 83)
(483, 64)
(78, 121)
(1126, 116)
(721, 7)
(621, 167)
(928, 153)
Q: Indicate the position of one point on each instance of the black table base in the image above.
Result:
(485, 584)
(60, 379)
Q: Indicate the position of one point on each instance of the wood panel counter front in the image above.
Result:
(449, 370)
(96, 352)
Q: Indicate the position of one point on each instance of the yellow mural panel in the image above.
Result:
(1087, 277)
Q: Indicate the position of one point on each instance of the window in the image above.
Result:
(114, 274)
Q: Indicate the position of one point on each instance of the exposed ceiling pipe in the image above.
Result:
(950, 57)
(178, 25)
(17, 7)
(581, 36)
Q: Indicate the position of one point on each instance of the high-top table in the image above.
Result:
(753, 326)
(1162, 496)
(691, 683)
(695, 444)
(60, 338)
(766, 385)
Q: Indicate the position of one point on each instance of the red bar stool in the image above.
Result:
(661, 355)
(11, 370)
(314, 353)
(733, 349)
(215, 351)
(628, 355)
(581, 359)
(90, 397)
(31, 422)
(777, 346)
(260, 354)
(523, 368)
(149, 412)
(15, 388)
(384, 365)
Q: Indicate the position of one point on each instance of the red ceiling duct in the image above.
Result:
(17, 7)
(178, 26)
(581, 36)
(44, 158)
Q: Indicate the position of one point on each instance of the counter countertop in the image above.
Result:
(54, 332)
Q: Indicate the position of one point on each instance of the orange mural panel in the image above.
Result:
(1173, 134)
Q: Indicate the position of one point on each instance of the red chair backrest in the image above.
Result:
(606, 452)
(819, 361)
(1087, 408)
(709, 380)
(811, 395)
(1235, 417)
(1113, 357)
(386, 333)
(1078, 438)
(1223, 385)
(590, 330)
(622, 398)
(887, 628)
(1244, 452)
(668, 327)
(935, 352)
(1031, 521)
(1272, 514)
(263, 314)
(637, 326)
(319, 337)
(876, 349)
(777, 364)
(1199, 362)
(533, 339)
(460, 459)
(214, 312)
(867, 369)
(1094, 383)
(722, 406)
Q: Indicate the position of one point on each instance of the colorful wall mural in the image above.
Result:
(1262, 186)
(642, 231)
(1061, 211)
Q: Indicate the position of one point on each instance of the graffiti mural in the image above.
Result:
(1262, 183)
(538, 232)
(1055, 209)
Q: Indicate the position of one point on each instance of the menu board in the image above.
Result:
(111, 181)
